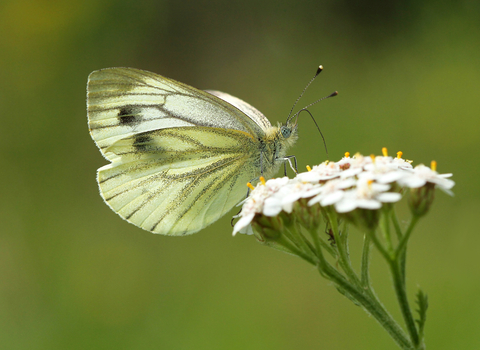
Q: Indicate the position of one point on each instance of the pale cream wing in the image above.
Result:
(176, 181)
(250, 111)
(122, 102)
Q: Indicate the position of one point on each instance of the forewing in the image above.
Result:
(122, 102)
(253, 113)
(176, 181)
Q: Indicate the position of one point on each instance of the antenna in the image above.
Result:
(318, 128)
(305, 109)
(333, 94)
(319, 70)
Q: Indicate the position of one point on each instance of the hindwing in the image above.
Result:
(178, 180)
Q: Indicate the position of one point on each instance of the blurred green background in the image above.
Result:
(73, 275)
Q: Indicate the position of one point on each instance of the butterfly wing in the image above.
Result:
(180, 157)
(122, 102)
(250, 111)
(178, 180)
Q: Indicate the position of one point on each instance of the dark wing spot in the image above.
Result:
(129, 116)
(142, 142)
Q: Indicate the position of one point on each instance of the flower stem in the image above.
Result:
(379, 245)
(344, 259)
(365, 273)
(396, 224)
(283, 241)
(396, 261)
(294, 234)
(397, 268)
(385, 225)
(370, 305)
(403, 242)
(401, 293)
(403, 256)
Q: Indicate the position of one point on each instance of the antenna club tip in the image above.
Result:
(335, 93)
(319, 70)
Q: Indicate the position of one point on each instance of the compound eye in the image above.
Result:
(286, 132)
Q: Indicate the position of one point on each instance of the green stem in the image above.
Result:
(344, 259)
(369, 304)
(326, 246)
(379, 245)
(397, 268)
(401, 293)
(403, 256)
(319, 242)
(365, 270)
(394, 261)
(403, 242)
(293, 232)
(294, 249)
(305, 241)
(396, 225)
(344, 238)
(365, 275)
(402, 260)
(288, 233)
(385, 225)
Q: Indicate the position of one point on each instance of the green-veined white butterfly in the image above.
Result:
(180, 157)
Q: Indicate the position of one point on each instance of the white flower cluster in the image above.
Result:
(351, 183)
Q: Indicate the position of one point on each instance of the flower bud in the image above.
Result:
(420, 199)
(268, 228)
(363, 218)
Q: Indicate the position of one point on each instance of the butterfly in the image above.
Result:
(180, 158)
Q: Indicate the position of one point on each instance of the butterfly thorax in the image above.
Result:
(274, 146)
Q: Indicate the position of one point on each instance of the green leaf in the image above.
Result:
(422, 302)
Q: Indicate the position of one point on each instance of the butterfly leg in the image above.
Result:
(261, 163)
(287, 159)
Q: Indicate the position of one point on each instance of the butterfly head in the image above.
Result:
(283, 136)
(288, 133)
(287, 130)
